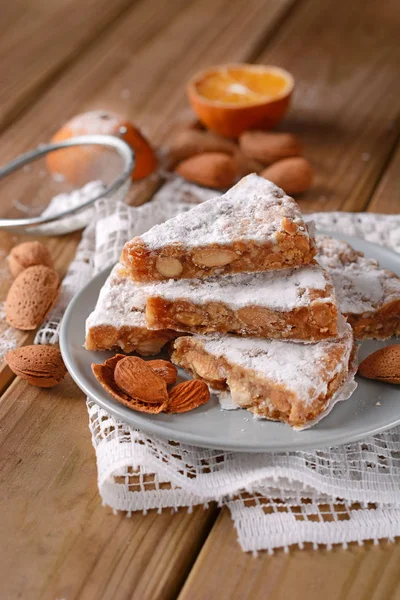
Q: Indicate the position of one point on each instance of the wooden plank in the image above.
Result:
(360, 572)
(386, 198)
(345, 57)
(61, 542)
(37, 42)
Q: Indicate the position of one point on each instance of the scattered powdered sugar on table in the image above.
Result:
(252, 210)
(283, 290)
(9, 337)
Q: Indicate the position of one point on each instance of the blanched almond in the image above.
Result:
(293, 175)
(270, 147)
(214, 257)
(169, 266)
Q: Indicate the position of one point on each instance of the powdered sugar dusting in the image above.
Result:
(281, 290)
(96, 122)
(121, 303)
(252, 210)
(304, 368)
(360, 284)
(69, 200)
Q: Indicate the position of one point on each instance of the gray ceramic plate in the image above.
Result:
(372, 408)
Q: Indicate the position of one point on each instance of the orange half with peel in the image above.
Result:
(230, 99)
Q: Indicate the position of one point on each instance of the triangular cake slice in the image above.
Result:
(255, 226)
(368, 295)
(297, 304)
(118, 319)
(282, 381)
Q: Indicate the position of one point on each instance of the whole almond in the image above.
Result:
(133, 376)
(246, 165)
(384, 365)
(27, 255)
(270, 147)
(164, 369)
(293, 175)
(190, 142)
(41, 366)
(211, 169)
(104, 373)
(31, 297)
(187, 396)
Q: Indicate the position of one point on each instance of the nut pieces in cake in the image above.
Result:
(142, 385)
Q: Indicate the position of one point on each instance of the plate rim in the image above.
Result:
(163, 430)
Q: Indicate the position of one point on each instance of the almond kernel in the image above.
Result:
(169, 266)
(214, 257)
(134, 377)
(189, 319)
(187, 396)
(189, 142)
(270, 147)
(293, 175)
(289, 226)
(211, 169)
(164, 369)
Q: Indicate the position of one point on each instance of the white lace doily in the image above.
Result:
(339, 495)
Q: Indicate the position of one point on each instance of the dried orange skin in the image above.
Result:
(76, 164)
(230, 119)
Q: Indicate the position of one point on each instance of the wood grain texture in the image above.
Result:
(140, 65)
(345, 57)
(358, 573)
(61, 542)
(39, 39)
(386, 198)
(139, 54)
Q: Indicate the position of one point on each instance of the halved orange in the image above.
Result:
(230, 99)
(78, 163)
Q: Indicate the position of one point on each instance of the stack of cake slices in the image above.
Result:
(235, 283)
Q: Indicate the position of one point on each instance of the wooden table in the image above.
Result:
(59, 59)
